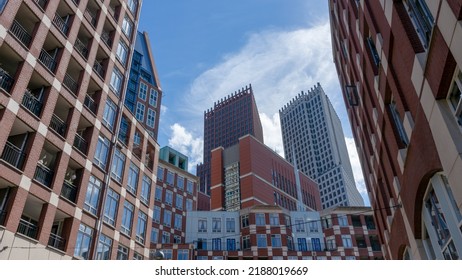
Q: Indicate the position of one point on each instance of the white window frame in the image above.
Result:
(456, 88)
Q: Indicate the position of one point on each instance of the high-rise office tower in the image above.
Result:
(230, 118)
(72, 184)
(313, 140)
(399, 65)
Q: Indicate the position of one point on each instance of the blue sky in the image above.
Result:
(207, 49)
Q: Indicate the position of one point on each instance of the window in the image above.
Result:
(178, 222)
(168, 197)
(189, 187)
(122, 253)
(170, 177)
(276, 240)
(153, 97)
(141, 227)
(454, 97)
(151, 118)
(216, 244)
(109, 115)
(176, 239)
(373, 52)
(299, 225)
(244, 221)
(331, 245)
(127, 26)
(290, 243)
(179, 202)
(103, 251)
(180, 182)
(230, 225)
(116, 80)
(421, 18)
(216, 224)
(342, 220)
(231, 244)
(261, 240)
(137, 256)
(101, 153)
(127, 218)
(154, 235)
(160, 173)
(83, 242)
(110, 207)
(2, 5)
(398, 123)
(274, 219)
(202, 243)
(316, 244)
(167, 218)
(183, 254)
(346, 241)
(132, 183)
(140, 111)
(156, 214)
(143, 91)
(132, 6)
(118, 163)
(246, 242)
(302, 246)
(165, 237)
(158, 194)
(122, 52)
(356, 220)
(145, 189)
(189, 204)
(313, 226)
(92, 196)
(260, 219)
(202, 225)
(167, 254)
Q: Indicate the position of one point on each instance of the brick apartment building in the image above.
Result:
(76, 166)
(399, 65)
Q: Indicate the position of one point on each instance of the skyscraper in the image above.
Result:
(232, 117)
(72, 183)
(313, 140)
(399, 67)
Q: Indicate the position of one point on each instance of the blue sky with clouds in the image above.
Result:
(207, 49)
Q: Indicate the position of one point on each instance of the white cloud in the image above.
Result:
(184, 142)
(272, 132)
(357, 171)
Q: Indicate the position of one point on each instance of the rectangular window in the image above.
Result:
(180, 182)
(110, 207)
(132, 6)
(454, 97)
(179, 202)
(156, 214)
(116, 81)
(398, 123)
(83, 242)
(189, 187)
(143, 91)
(216, 244)
(102, 151)
(202, 225)
(145, 190)
(167, 218)
(168, 197)
(202, 243)
(216, 224)
(2, 5)
(160, 173)
(122, 253)
(92, 196)
(168, 254)
(313, 226)
(109, 115)
(140, 111)
(165, 237)
(127, 218)
(230, 225)
(189, 204)
(132, 183)
(153, 97)
(276, 240)
(178, 222)
(260, 219)
(183, 254)
(302, 246)
(246, 242)
(158, 194)
(421, 18)
(299, 225)
(176, 239)
(127, 26)
(141, 227)
(244, 221)
(170, 177)
(373, 52)
(316, 244)
(151, 118)
(118, 163)
(342, 220)
(346, 241)
(261, 241)
(122, 52)
(103, 251)
(231, 244)
(274, 219)
(154, 235)
(137, 256)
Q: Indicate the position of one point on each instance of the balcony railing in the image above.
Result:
(27, 228)
(58, 125)
(112, 11)
(2, 217)
(48, 60)
(43, 175)
(20, 33)
(41, 3)
(98, 67)
(56, 241)
(106, 38)
(32, 103)
(61, 24)
(6, 82)
(80, 143)
(76, 2)
(71, 84)
(90, 103)
(90, 16)
(81, 48)
(13, 155)
(69, 191)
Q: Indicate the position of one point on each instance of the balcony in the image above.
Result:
(106, 38)
(69, 191)
(90, 16)
(44, 175)
(90, 103)
(80, 143)
(98, 68)
(20, 33)
(81, 48)
(48, 60)
(72, 85)
(41, 3)
(61, 24)
(112, 11)
(13, 155)
(32, 103)
(2, 217)
(56, 241)
(6, 82)
(27, 228)
(58, 125)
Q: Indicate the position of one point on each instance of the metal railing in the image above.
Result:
(69, 191)
(80, 143)
(61, 24)
(90, 103)
(81, 48)
(43, 175)
(13, 155)
(90, 16)
(56, 241)
(112, 11)
(32, 103)
(76, 2)
(71, 84)
(47, 60)
(98, 67)
(106, 38)
(6, 82)
(20, 33)
(41, 3)
(58, 125)
(27, 228)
